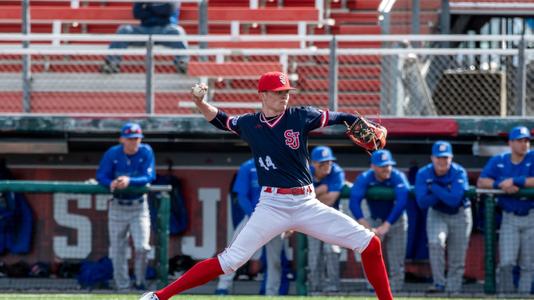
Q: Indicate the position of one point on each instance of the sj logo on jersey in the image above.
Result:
(292, 139)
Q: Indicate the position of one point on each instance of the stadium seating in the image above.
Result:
(104, 19)
(359, 80)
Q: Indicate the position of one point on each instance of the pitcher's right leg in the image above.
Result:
(334, 227)
(375, 269)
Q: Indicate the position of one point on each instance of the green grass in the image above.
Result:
(79, 296)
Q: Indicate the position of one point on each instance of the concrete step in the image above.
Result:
(96, 82)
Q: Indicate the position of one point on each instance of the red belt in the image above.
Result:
(289, 191)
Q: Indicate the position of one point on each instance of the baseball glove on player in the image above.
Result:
(367, 134)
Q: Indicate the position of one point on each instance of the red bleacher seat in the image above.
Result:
(357, 29)
(231, 69)
(359, 81)
(361, 17)
(258, 45)
(121, 14)
(364, 4)
(423, 5)
(344, 71)
(347, 85)
(11, 102)
(250, 84)
(104, 102)
(366, 111)
(225, 3)
(40, 3)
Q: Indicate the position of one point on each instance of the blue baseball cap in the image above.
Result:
(322, 153)
(519, 132)
(442, 149)
(131, 130)
(382, 158)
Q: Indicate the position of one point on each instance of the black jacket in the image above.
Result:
(155, 14)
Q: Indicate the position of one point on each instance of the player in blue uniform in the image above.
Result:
(131, 163)
(248, 190)
(387, 218)
(328, 180)
(278, 138)
(440, 186)
(509, 172)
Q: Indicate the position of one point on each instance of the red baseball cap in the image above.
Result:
(274, 82)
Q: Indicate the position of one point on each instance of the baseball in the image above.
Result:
(199, 90)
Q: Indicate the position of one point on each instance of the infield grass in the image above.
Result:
(75, 296)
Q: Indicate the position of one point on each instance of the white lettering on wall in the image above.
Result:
(81, 224)
(209, 198)
(101, 201)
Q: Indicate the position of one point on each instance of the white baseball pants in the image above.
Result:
(277, 213)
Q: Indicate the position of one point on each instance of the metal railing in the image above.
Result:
(391, 78)
(388, 194)
(163, 208)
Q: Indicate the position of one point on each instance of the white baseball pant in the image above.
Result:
(277, 213)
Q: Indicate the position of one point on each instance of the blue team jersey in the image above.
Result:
(280, 145)
(389, 211)
(334, 181)
(246, 187)
(139, 167)
(499, 168)
(443, 193)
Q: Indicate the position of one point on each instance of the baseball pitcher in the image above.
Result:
(278, 138)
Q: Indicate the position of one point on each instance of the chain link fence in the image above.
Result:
(394, 80)
(402, 13)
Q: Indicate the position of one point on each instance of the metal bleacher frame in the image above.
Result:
(218, 65)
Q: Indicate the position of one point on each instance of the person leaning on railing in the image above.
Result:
(511, 171)
(441, 187)
(130, 163)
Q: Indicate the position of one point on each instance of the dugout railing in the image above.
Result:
(163, 210)
(162, 205)
(388, 194)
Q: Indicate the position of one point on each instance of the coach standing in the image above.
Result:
(509, 172)
(129, 163)
(441, 186)
(387, 219)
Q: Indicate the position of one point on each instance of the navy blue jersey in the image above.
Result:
(334, 180)
(280, 145)
(139, 167)
(499, 168)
